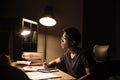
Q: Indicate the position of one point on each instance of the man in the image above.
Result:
(9, 72)
(75, 60)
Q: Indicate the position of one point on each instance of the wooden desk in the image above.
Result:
(63, 75)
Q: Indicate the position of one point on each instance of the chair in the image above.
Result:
(100, 52)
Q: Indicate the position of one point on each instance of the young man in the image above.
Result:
(75, 60)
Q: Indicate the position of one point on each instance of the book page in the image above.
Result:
(40, 75)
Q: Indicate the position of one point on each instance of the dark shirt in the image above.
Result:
(7, 72)
(75, 66)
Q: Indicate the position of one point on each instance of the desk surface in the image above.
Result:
(59, 75)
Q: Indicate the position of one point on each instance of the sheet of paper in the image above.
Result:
(29, 68)
(40, 75)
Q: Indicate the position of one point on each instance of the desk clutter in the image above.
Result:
(47, 70)
(34, 57)
(34, 73)
(21, 63)
(25, 63)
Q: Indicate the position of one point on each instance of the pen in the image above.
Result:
(45, 64)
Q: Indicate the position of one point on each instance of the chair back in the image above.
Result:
(100, 52)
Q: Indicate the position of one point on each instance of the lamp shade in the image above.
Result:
(25, 32)
(48, 18)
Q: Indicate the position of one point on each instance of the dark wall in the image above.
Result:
(4, 32)
(99, 24)
(118, 26)
(11, 40)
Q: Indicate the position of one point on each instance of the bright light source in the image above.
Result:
(25, 32)
(47, 21)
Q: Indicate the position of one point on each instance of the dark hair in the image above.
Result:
(3, 59)
(3, 54)
(73, 34)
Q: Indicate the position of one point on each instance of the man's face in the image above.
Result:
(64, 41)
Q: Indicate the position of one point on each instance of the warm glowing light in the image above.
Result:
(47, 21)
(29, 21)
(25, 32)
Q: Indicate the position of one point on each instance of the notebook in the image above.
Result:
(48, 70)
